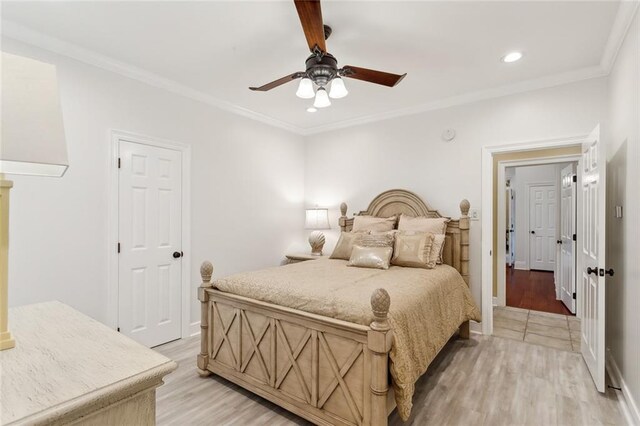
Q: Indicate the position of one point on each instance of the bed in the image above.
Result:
(333, 344)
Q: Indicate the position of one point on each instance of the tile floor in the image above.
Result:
(540, 328)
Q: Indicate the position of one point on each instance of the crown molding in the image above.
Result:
(469, 98)
(626, 12)
(28, 36)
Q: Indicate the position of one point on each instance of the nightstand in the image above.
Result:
(301, 257)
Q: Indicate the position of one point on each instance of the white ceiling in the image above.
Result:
(448, 49)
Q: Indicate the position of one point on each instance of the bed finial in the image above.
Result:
(380, 302)
(206, 270)
(464, 207)
(343, 209)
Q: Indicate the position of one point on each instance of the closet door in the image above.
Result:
(150, 236)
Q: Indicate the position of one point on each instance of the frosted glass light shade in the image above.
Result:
(322, 99)
(338, 89)
(317, 219)
(305, 89)
(32, 140)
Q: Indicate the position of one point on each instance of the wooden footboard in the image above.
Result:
(328, 371)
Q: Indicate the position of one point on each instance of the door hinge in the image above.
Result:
(118, 247)
(119, 163)
(575, 178)
(574, 237)
(574, 295)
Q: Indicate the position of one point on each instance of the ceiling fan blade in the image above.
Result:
(310, 15)
(372, 76)
(278, 82)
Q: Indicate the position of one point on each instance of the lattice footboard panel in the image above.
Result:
(303, 363)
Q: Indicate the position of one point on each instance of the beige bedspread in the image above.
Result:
(427, 306)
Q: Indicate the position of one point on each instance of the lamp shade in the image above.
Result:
(317, 218)
(322, 99)
(33, 140)
(305, 89)
(338, 89)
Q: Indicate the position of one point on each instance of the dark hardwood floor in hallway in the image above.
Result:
(533, 290)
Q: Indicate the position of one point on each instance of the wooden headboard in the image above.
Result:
(397, 201)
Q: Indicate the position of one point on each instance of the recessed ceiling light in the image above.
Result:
(512, 57)
(312, 109)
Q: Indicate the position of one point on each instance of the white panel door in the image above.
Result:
(567, 244)
(150, 235)
(591, 256)
(542, 227)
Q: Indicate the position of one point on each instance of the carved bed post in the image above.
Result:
(464, 254)
(379, 340)
(342, 221)
(206, 270)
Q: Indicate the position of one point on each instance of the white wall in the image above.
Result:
(623, 235)
(355, 164)
(247, 188)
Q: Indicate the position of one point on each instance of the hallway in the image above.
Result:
(533, 290)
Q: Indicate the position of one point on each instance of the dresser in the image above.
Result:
(68, 368)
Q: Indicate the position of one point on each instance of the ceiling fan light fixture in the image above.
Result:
(305, 89)
(322, 99)
(312, 109)
(338, 89)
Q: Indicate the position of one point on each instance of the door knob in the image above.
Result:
(559, 241)
(533, 232)
(592, 271)
(177, 254)
(604, 272)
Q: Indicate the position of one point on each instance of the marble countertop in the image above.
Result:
(65, 361)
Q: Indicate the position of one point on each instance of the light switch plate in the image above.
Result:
(474, 214)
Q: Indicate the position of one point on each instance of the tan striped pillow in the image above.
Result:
(383, 239)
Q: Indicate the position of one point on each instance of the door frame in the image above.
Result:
(116, 136)
(487, 205)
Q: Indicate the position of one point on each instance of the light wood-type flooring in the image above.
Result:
(486, 380)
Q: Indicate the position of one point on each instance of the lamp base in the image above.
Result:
(316, 240)
(6, 341)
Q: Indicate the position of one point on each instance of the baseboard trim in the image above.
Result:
(628, 405)
(519, 264)
(194, 329)
(475, 327)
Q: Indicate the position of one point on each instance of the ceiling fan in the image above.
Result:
(321, 66)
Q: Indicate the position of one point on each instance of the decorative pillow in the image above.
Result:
(413, 250)
(435, 225)
(345, 244)
(370, 257)
(378, 239)
(372, 223)
(437, 248)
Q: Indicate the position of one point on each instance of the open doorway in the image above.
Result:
(535, 209)
(540, 223)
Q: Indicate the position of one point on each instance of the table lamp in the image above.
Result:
(32, 143)
(316, 219)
